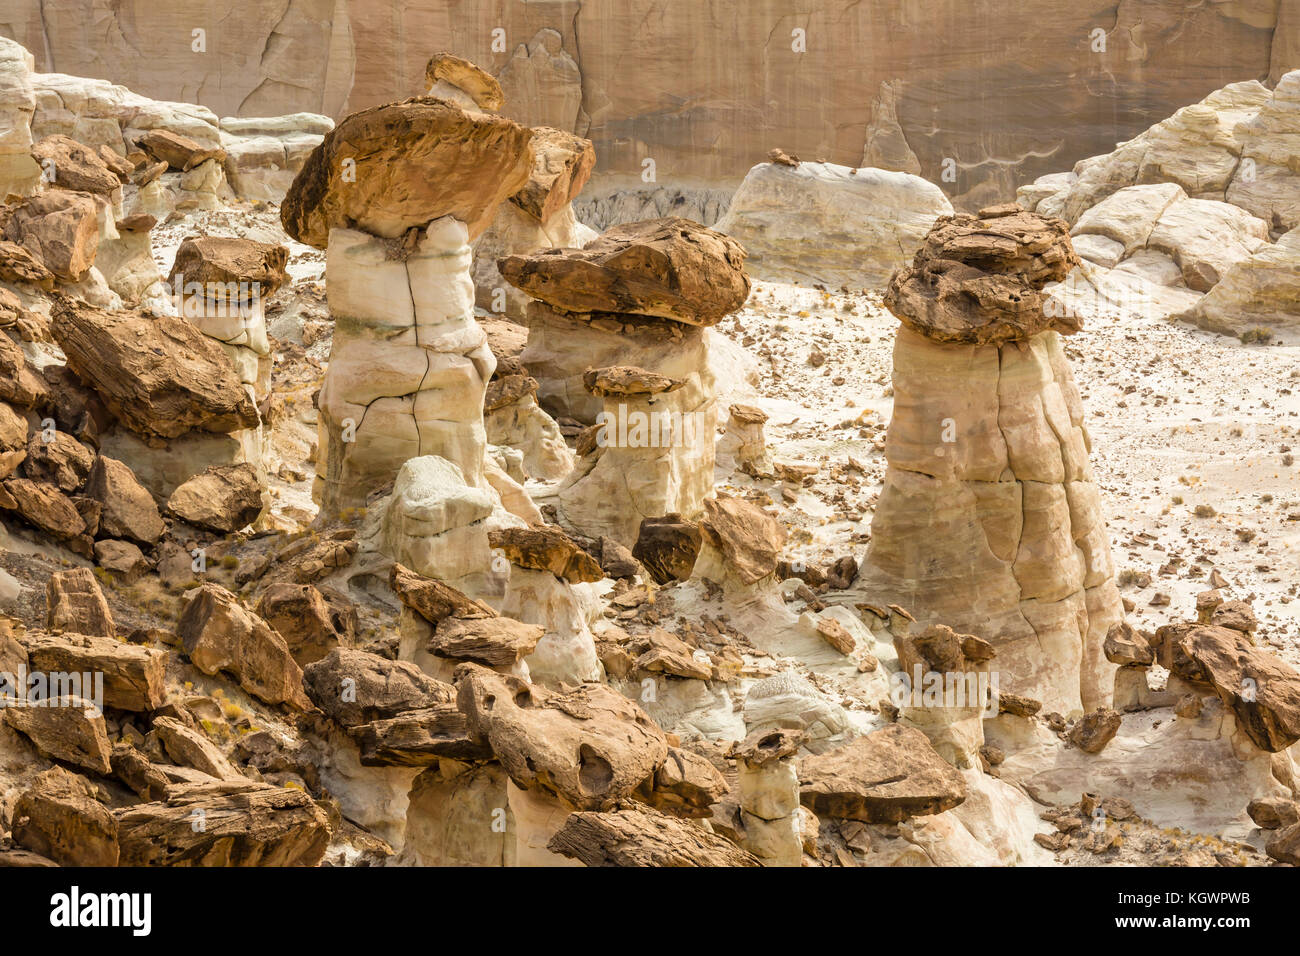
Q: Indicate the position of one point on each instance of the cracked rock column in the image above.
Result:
(990, 521)
(769, 796)
(396, 194)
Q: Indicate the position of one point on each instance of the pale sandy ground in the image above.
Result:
(1179, 418)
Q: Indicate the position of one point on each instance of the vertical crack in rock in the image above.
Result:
(1004, 562)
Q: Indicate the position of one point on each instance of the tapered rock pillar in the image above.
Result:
(396, 194)
(408, 364)
(990, 521)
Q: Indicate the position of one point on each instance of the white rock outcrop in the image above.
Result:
(835, 225)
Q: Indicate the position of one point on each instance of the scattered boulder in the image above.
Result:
(748, 539)
(128, 510)
(70, 729)
(62, 818)
(224, 498)
(219, 634)
(1093, 731)
(883, 777)
(59, 228)
(312, 621)
(63, 462)
(159, 376)
(668, 547)
(1274, 813)
(74, 602)
(356, 687)
(245, 824)
(177, 151)
(68, 164)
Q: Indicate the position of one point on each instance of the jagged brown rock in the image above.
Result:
(749, 539)
(643, 837)
(671, 268)
(886, 776)
(496, 642)
(1262, 690)
(128, 510)
(219, 634)
(134, 676)
(546, 548)
(224, 498)
(177, 151)
(58, 228)
(68, 164)
(482, 87)
(591, 747)
(74, 602)
(356, 687)
(61, 818)
(65, 728)
(63, 462)
(667, 547)
(480, 159)
(312, 621)
(433, 600)
(245, 824)
(419, 738)
(158, 376)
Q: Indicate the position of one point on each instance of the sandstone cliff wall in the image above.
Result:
(1006, 91)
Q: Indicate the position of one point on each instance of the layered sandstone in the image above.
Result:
(990, 521)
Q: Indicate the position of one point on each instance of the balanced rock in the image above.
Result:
(546, 548)
(590, 747)
(372, 172)
(562, 164)
(220, 266)
(989, 490)
(978, 279)
(886, 776)
(670, 268)
(177, 151)
(445, 70)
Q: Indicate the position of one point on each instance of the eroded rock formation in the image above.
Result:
(989, 521)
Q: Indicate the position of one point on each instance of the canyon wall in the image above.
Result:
(994, 92)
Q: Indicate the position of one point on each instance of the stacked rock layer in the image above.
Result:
(990, 520)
